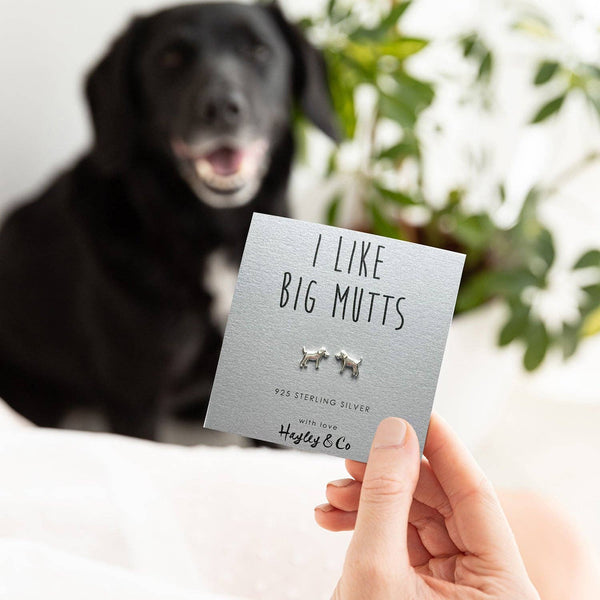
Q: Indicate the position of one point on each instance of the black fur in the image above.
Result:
(101, 293)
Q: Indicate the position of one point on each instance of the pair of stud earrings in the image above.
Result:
(316, 356)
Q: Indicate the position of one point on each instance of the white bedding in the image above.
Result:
(86, 515)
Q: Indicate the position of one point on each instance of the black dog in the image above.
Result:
(104, 297)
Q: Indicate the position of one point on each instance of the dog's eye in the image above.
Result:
(174, 56)
(258, 52)
(171, 59)
(261, 52)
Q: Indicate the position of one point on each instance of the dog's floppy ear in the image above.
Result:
(311, 87)
(110, 91)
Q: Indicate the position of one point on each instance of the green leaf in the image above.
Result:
(474, 231)
(395, 196)
(354, 73)
(569, 340)
(305, 23)
(415, 93)
(342, 82)
(337, 13)
(485, 67)
(549, 109)
(301, 127)
(485, 285)
(403, 149)
(593, 69)
(516, 325)
(591, 323)
(331, 164)
(468, 44)
(402, 48)
(537, 345)
(536, 25)
(476, 49)
(395, 14)
(381, 225)
(593, 292)
(367, 54)
(502, 193)
(333, 209)
(589, 259)
(528, 212)
(595, 102)
(545, 72)
(455, 197)
(476, 290)
(383, 29)
(545, 247)
(395, 109)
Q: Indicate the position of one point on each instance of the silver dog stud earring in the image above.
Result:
(312, 355)
(349, 362)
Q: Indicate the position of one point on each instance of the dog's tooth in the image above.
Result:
(203, 169)
(246, 165)
(226, 183)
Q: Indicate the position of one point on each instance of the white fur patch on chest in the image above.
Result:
(219, 280)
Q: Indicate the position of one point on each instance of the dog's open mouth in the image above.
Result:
(225, 168)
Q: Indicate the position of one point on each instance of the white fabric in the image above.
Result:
(93, 516)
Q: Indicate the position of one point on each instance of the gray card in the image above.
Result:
(330, 331)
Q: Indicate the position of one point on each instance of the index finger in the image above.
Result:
(428, 490)
(471, 498)
(356, 469)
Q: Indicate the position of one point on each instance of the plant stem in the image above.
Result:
(571, 172)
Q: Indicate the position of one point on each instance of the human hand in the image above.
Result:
(428, 528)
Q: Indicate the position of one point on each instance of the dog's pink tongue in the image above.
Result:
(225, 161)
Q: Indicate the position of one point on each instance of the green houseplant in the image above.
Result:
(509, 263)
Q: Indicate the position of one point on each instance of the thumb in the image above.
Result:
(387, 492)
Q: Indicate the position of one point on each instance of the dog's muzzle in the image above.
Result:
(223, 173)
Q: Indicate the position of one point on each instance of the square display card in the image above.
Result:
(331, 331)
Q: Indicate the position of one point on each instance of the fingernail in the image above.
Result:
(324, 507)
(390, 433)
(340, 483)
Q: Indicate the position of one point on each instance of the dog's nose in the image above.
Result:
(227, 108)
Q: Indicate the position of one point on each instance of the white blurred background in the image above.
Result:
(536, 431)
